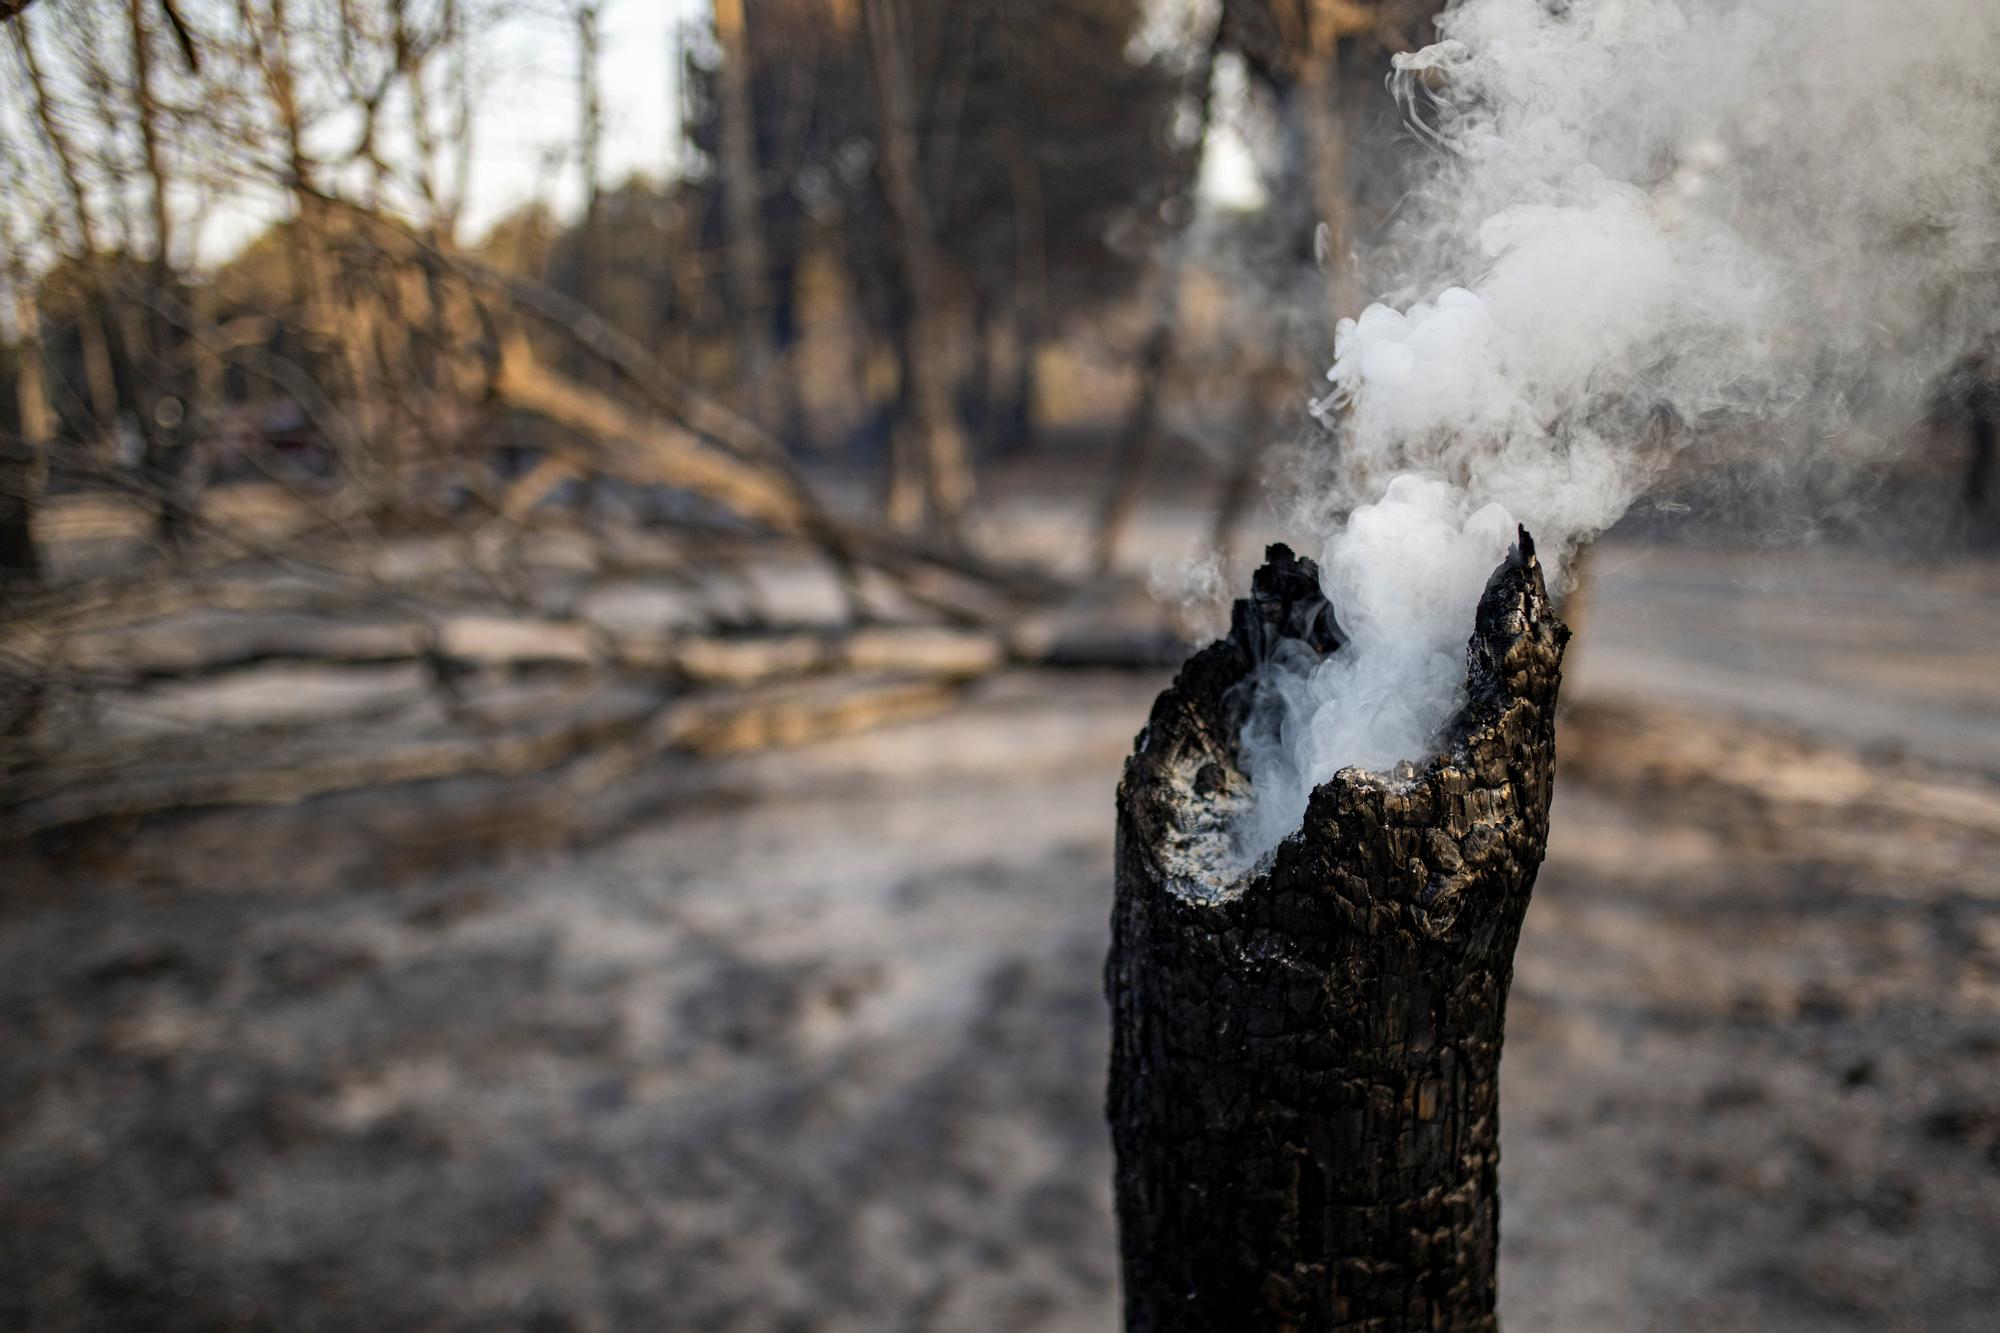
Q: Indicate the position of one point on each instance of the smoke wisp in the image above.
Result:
(1770, 222)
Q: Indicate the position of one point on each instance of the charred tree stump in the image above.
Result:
(1305, 1057)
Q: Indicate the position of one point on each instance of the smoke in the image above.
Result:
(1769, 223)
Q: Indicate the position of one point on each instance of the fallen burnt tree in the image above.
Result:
(1305, 1057)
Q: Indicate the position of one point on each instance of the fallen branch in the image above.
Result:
(233, 629)
(611, 739)
(642, 448)
(647, 449)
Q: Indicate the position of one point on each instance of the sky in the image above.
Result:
(527, 133)
(535, 114)
(525, 123)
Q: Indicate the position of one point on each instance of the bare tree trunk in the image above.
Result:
(743, 195)
(946, 466)
(166, 419)
(100, 376)
(1326, 148)
(151, 144)
(1304, 1069)
(329, 313)
(24, 459)
(1297, 43)
(590, 143)
(1139, 435)
(1015, 425)
(903, 497)
(100, 379)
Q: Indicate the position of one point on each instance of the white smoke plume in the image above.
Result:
(1772, 222)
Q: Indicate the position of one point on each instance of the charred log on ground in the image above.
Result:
(1305, 1057)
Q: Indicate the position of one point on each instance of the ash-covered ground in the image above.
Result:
(814, 1039)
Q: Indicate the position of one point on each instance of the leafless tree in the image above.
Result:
(936, 451)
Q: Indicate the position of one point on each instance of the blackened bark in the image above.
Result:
(1305, 1058)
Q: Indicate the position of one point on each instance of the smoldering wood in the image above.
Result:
(1305, 1058)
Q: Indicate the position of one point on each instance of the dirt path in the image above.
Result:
(1894, 657)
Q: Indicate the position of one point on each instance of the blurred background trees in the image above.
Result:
(930, 292)
(890, 219)
(921, 292)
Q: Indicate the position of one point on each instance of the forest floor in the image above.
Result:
(813, 1038)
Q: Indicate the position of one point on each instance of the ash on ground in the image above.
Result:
(815, 1039)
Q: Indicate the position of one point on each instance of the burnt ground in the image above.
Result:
(813, 1039)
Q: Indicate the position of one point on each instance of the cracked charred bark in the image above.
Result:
(1305, 1058)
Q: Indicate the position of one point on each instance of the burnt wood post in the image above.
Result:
(1305, 1058)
